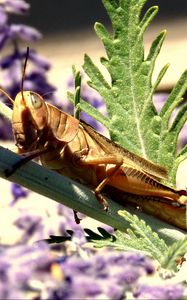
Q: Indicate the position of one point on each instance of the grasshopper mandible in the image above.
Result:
(74, 149)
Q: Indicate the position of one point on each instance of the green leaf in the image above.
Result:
(138, 237)
(155, 47)
(130, 74)
(142, 237)
(85, 106)
(159, 78)
(174, 253)
(148, 17)
(167, 155)
(103, 34)
(101, 239)
(77, 108)
(132, 119)
(98, 82)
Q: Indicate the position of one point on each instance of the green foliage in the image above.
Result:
(138, 237)
(143, 237)
(77, 76)
(132, 119)
(174, 254)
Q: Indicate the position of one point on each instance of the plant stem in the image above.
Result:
(76, 196)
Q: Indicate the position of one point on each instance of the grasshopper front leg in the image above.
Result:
(24, 158)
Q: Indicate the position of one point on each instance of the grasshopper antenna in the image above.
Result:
(24, 72)
(7, 95)
(22, 80)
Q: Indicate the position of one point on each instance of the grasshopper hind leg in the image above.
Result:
(101, 200)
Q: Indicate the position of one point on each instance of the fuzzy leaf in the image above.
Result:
(85, 106)
(139, 237)
(132, 120)
(159, 78)
(175, 252)
(146, 240)
(167, 154)
(148, 17)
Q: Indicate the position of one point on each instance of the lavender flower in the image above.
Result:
(79, 274)
(3, 17)
(24, 32)
(30, 225)
(11, 64)
(9, 32)
(18, 192)
(30, 221)
(165, 292)
(94, 277)
(15, 6)
(106, 275)
(18, 264)
(5, 129)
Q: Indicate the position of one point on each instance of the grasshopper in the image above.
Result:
(74, 149)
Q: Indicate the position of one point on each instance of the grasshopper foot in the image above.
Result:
(101, 200)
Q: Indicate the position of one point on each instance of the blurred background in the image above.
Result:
(67, 28)
(59, 16)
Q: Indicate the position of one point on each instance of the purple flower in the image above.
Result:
(5, 129)
(15, 6)
(24, 32)
(11, 32)
(30, 225)
(4, 37)
(92, 275)
(38, 222)
(18, 192)
(18, 265)
(35, 80)
(165, 292)
(3, 17)
(11, 64)
(105, 275)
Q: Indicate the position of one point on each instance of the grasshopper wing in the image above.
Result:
(155, 171)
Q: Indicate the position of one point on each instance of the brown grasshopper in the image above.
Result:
(75, 149)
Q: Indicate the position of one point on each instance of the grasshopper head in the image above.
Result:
(29, 119)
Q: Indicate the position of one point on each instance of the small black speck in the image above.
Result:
(46, 178)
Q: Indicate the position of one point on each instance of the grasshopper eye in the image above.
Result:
(35, 100)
